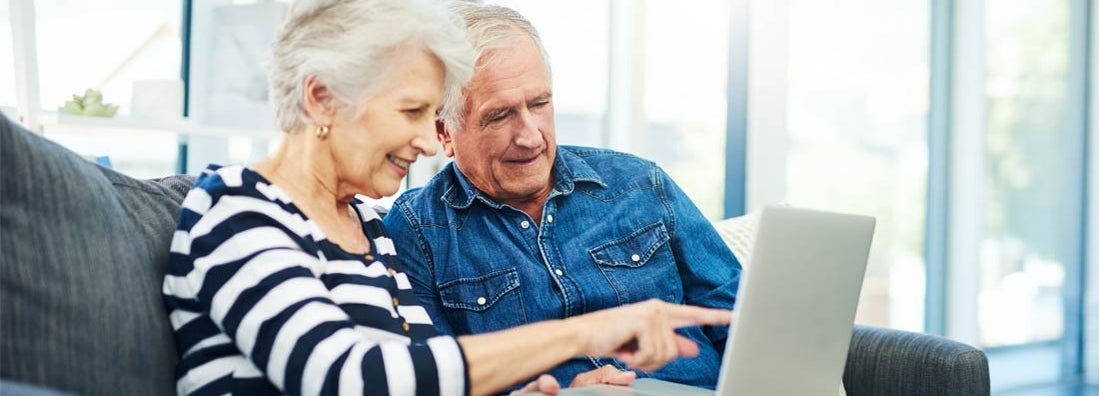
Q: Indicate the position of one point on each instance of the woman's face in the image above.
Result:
(372, 150)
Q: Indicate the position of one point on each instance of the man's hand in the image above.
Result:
(544, 384)
(608, 374)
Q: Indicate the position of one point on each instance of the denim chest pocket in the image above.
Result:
(485, 303)
(640, 266)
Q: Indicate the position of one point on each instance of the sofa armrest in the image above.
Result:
(893, 362)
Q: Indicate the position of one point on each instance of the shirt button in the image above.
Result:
(390, 272)
(549, 218)
(525, 224)
(481, 301)
(405, 326)
(394, 301)
(559, 272)
(369, 257)
(635, 258)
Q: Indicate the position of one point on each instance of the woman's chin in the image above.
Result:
(379, 192)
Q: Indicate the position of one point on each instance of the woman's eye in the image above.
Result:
(414, 112)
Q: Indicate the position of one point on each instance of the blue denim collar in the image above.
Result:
(569, 168)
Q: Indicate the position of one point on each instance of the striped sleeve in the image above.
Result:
(250, 272)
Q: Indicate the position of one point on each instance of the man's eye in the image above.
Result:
(414, 112)
(497, 117)
(539, 104)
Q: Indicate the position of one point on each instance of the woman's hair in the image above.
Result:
(344, 43)
(489, 27)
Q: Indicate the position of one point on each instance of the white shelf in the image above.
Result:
(182, 127)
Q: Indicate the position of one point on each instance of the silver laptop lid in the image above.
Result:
(796, 304)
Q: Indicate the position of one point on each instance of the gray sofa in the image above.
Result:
(83, 250)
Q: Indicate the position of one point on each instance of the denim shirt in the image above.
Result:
(614, 230)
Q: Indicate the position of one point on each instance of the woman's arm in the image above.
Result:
(642, 335)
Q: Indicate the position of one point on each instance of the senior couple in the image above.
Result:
(521, 259)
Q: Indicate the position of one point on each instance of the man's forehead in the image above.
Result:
(506, 89)
(507, 96)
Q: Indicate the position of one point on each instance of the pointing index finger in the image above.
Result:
(685, 315)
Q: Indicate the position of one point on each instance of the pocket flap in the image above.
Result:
(634, 250)
(478, 294)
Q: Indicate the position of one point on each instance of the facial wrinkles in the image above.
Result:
(386, 127)
(505, 134)
(355, 150)
(510, 111)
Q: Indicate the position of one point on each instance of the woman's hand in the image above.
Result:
(642, 335)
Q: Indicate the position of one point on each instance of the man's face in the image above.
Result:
(506, 146)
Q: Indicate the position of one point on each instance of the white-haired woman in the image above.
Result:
(281, 282)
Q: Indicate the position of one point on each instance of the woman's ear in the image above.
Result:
(318, 100)
(444, 137)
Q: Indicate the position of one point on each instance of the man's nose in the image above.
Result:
(528, 135)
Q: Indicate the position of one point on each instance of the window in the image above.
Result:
(686, 54)
(105, 45)
(857, 105)
(1023, 251)
(230, 43)
(656, 66)
(108, 45)
(7, 51)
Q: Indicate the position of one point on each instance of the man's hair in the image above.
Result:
(488, 27)
(345, 43)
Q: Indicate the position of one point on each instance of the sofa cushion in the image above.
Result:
(83, 250)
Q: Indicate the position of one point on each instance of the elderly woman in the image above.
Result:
(280, 281)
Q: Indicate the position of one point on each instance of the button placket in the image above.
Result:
(570, 293)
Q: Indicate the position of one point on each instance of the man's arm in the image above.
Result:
(709, 271)
(415, 255)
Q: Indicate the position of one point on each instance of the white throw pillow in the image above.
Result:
(739, 233)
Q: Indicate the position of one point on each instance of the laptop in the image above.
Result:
(795, 310)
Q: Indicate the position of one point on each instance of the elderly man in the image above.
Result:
(519, 230)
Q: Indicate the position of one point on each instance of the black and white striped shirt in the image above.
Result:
(262, 303)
